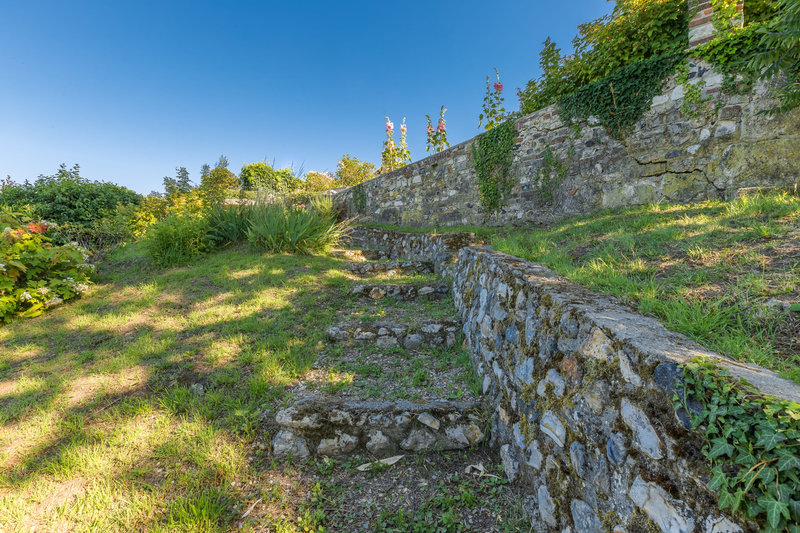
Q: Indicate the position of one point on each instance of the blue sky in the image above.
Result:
(130, 90)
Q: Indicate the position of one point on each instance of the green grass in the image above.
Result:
(706, 270)
(140, 406)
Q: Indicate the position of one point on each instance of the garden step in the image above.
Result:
(368, 254)
(408, 291)
(317, 426)
(441, 332)
(392, 267)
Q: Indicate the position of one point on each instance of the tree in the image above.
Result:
(222, 163)
(170, 186)
(351, 171)
(182, 180)
(318, 181)
(261, 176)
(216, 184)
(205, 170)
(780, 45)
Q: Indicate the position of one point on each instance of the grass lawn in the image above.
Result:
(720, 272)
(147, 405)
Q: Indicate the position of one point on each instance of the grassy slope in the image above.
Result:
(101, 428)
(706, 270)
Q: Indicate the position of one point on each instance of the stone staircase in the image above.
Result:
(390, 380)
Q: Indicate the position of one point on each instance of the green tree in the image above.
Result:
(204, 170)
(222, 162)
(318, 181)
(352, 171)
(217, 183)
(182, 180)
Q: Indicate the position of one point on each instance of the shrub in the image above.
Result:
(318, 182)
(282, 227)
(177, 239)
(216, 183)
(67, 197)
(352, 171)
(261, 176)
(34, 274)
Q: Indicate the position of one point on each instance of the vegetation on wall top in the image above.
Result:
(492, 155)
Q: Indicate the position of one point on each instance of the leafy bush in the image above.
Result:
(216, 183)
(66, 197)
(780, 45)
(281, 227)
(34, 274)
(261, 176)
(318, 182)
(177, 239)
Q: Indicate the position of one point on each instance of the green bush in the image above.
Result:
(66, 197)
(177, 239)
(282, 227)
(34, 274)
(261, 176)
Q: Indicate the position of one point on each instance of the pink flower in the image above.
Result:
(389, 125)
(441, 126)
(498, 86)
(403, 128)
(430, 129)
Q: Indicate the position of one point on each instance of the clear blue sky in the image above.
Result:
(130, 90)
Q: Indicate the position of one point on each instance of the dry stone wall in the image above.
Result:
(581, 392)
(668, 157)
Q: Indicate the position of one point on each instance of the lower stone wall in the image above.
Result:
(581, 389)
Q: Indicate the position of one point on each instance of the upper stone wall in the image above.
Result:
(668, 157)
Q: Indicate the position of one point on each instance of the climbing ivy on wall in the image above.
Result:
(753, 446)
(620, 99)
(492, 155)
(551, 174)
(359, 199)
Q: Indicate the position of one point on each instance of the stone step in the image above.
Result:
(441, 332)
(321, 427)
(392, 267)
(405, 292)
(368, 254)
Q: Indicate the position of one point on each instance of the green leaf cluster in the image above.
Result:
(619, 99)
(634, 31)
(753, 446)
(492, 155)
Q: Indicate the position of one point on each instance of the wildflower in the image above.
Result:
(403, 127)
(26, 296)
(2, 267)
(55, 300)
(389, 125)
(44, 291)
(441, 127)
(81, 288)
(498, 86)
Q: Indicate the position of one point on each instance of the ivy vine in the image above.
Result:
(551, 174)
(492, 155)
(753, 446)
(359, 199)
(620, 99)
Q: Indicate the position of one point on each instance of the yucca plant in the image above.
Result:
(281, 227)
(228, 224)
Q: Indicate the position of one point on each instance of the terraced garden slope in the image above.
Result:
(153, 403)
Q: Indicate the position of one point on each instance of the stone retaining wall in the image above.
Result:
(668, 157)
(581, 390)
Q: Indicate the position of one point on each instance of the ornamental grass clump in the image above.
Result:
(177, 239)
(295, 228)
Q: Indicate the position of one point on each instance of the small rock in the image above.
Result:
(721, 525)
(378, 443)
(577, 456)
(552, 378)
(377, 293)
(657, 505)
(341, 444)
(597, 345)
(645, 437)
(553, 428)
(628, 374)
(584, 517)
(535, 459)
(418, 440)
(287, 443)
(412, 341)
(510, 465)
(291, 418)
(615, 449)
(429, 420)
(547, 509)
(197, 388)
